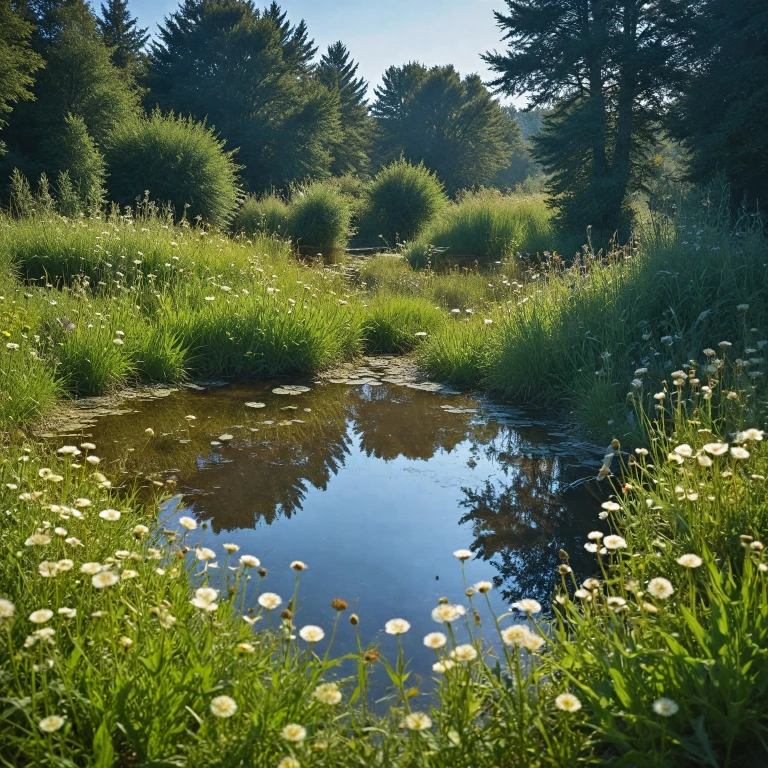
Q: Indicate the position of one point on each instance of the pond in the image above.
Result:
(373, 485)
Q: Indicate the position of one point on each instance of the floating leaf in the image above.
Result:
(255, 405)
(290, 389)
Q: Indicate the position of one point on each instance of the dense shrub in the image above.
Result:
(487, 226)
(402, 200)
(267, 215)
(319, 216)
(179, 162)
(82, 171)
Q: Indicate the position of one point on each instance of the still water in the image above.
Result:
(373, 486)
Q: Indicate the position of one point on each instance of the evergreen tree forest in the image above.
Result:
(605, 83)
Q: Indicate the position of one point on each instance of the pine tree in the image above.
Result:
(18, 62)
(453, 126)
(721, 114)
(78, 79)
(121, 34)
(298, 49)
(605, 67)
(337, 71)
(224, 61)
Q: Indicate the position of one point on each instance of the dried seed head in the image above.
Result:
(443, 600)
(262, 572)
(339, 605)
(354, 620)
(371, 656)
(286, 614)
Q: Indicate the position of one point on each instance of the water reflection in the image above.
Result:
(374, 486)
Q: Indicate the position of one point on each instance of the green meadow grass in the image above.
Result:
(118, 650)
(487, 226)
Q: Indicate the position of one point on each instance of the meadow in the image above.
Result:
(120, 651)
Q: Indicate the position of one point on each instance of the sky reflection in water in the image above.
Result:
(373, 487)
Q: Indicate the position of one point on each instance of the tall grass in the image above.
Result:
(487, 226)
(109, 301)
(652, 305)
(398, 323)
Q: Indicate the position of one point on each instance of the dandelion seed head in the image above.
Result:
(660, 588)
(109, 514)
(187, 522)
(528, 605)
(416, 721)
(665, 707)
(223, 706)
(51, 724)
(567, 702)
(462, 554)
(435, 640)
(397, 627)
(327, 693)
(269, 600)
(40, 616)
(614, 542)
(104, 579)
(311, 634)
(294, 732)
(689, 561)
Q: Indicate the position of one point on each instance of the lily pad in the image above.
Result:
(290, 389)
(225, 438)
(255, 405)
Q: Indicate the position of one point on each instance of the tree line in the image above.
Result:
(606, 81)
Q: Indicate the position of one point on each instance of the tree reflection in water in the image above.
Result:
(522, 519)
(520, 516)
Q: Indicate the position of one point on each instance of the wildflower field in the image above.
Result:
(119, 648)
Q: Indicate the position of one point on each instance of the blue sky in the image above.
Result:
(383, 32)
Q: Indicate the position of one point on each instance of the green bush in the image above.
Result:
(402, 200)
(319, 216)
(487, 226)
(267, 215)
(81, 170)
(179, 162)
